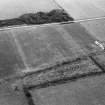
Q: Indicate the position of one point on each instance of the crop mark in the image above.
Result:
(64, 80)
(20, 50)
(101, 67)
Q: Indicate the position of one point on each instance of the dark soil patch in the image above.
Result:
(53, 16)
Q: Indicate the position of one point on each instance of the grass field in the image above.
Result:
(54, 64)
(46, 42)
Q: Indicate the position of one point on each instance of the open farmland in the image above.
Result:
(58, 63)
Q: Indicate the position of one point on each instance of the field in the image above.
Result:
(39, 43)
(86, 91)
(95, 28)
(83, 9)
(81, 36)
(9, 11)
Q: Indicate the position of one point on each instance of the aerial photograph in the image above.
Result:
(52, 52)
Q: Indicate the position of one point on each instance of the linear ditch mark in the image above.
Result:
(58, 5)
(28, 96)
(56, 65)
(98, 64)
(20, 50)
(64, 80)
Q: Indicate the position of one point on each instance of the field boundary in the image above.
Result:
(49, 24)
